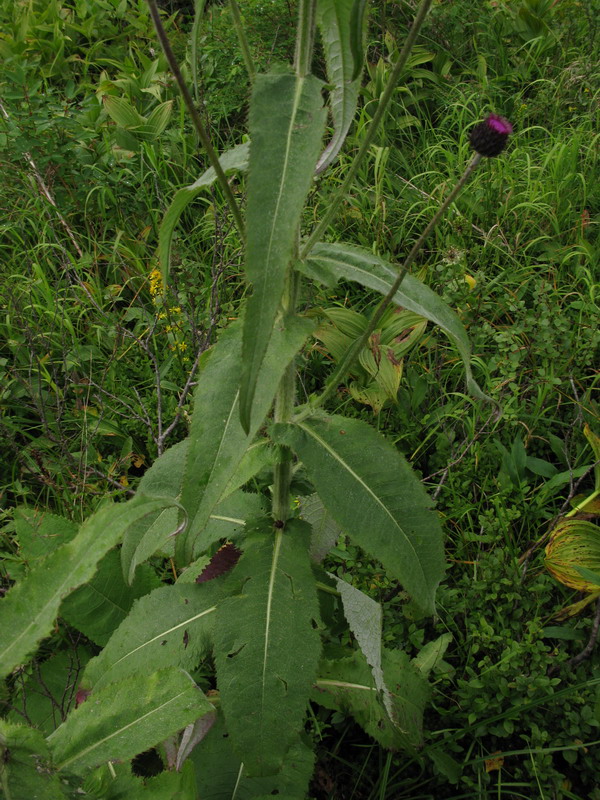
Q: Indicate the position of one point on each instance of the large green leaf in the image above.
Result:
(25, 772)
(221, 775)
(347, 685)
(286, 127)
(329, 263)
(28, 611)
(127, 718)
(341, 25)
(100, 606)
(217, 441)
(234, 160)
(375, 497)
(172, 626)
(266, 645)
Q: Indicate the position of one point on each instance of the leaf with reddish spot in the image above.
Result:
(223, 560)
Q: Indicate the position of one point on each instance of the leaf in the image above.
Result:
(99, 607)
(192, 736)
(364, 617)
(266, 646)
(122, 112)
(28, 611)
(378, 501)
(49, 691)
(258, 456)
(217, 442)
(430, 656)
(180, 785)
(574, 544)
(342, 31)
(25, 772)
(171, 626)
(347, 685)
(220, 774)
(286, 127)
(324, 529)
(40, 533)
(127, 718)
(594, 442)
(157, 121)
(144, 538)
(234, 160)
(329, 263)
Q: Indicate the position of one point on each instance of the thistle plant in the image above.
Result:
(250, 590)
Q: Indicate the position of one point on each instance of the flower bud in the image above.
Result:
(490, 136)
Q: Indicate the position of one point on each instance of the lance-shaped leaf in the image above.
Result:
(347, 685)
(127, 718)
(25, 771)
(342, 24)
(266, 645)
(171, 626)
(217, 441)
(375, 497)
(286, 127)
(28, 611)
(234, 160)
(329, 263)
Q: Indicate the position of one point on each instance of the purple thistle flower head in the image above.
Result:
(490, 136)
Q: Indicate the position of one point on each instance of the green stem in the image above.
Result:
(241, 34)
(284, 408)
(202, 135)
(341, 193)
(305, 37)
(351, 354)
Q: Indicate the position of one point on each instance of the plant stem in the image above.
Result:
(202, 135)
(305, 37)
(349, 357)
(341, 193)
(284, 407)
(241, 34)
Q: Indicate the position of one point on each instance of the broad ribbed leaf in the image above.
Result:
(324, 529)
(341, 23)
(365, 620)
(329, 263)
(25, 772)
(286, 127)
(347, 685)
(99, 607)
(375, 497)
(234, 160)
(217, 441)
(127, 718)
(29, 609)
(266, 645)
(221, 775)
(122, 112)
(172, 626)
